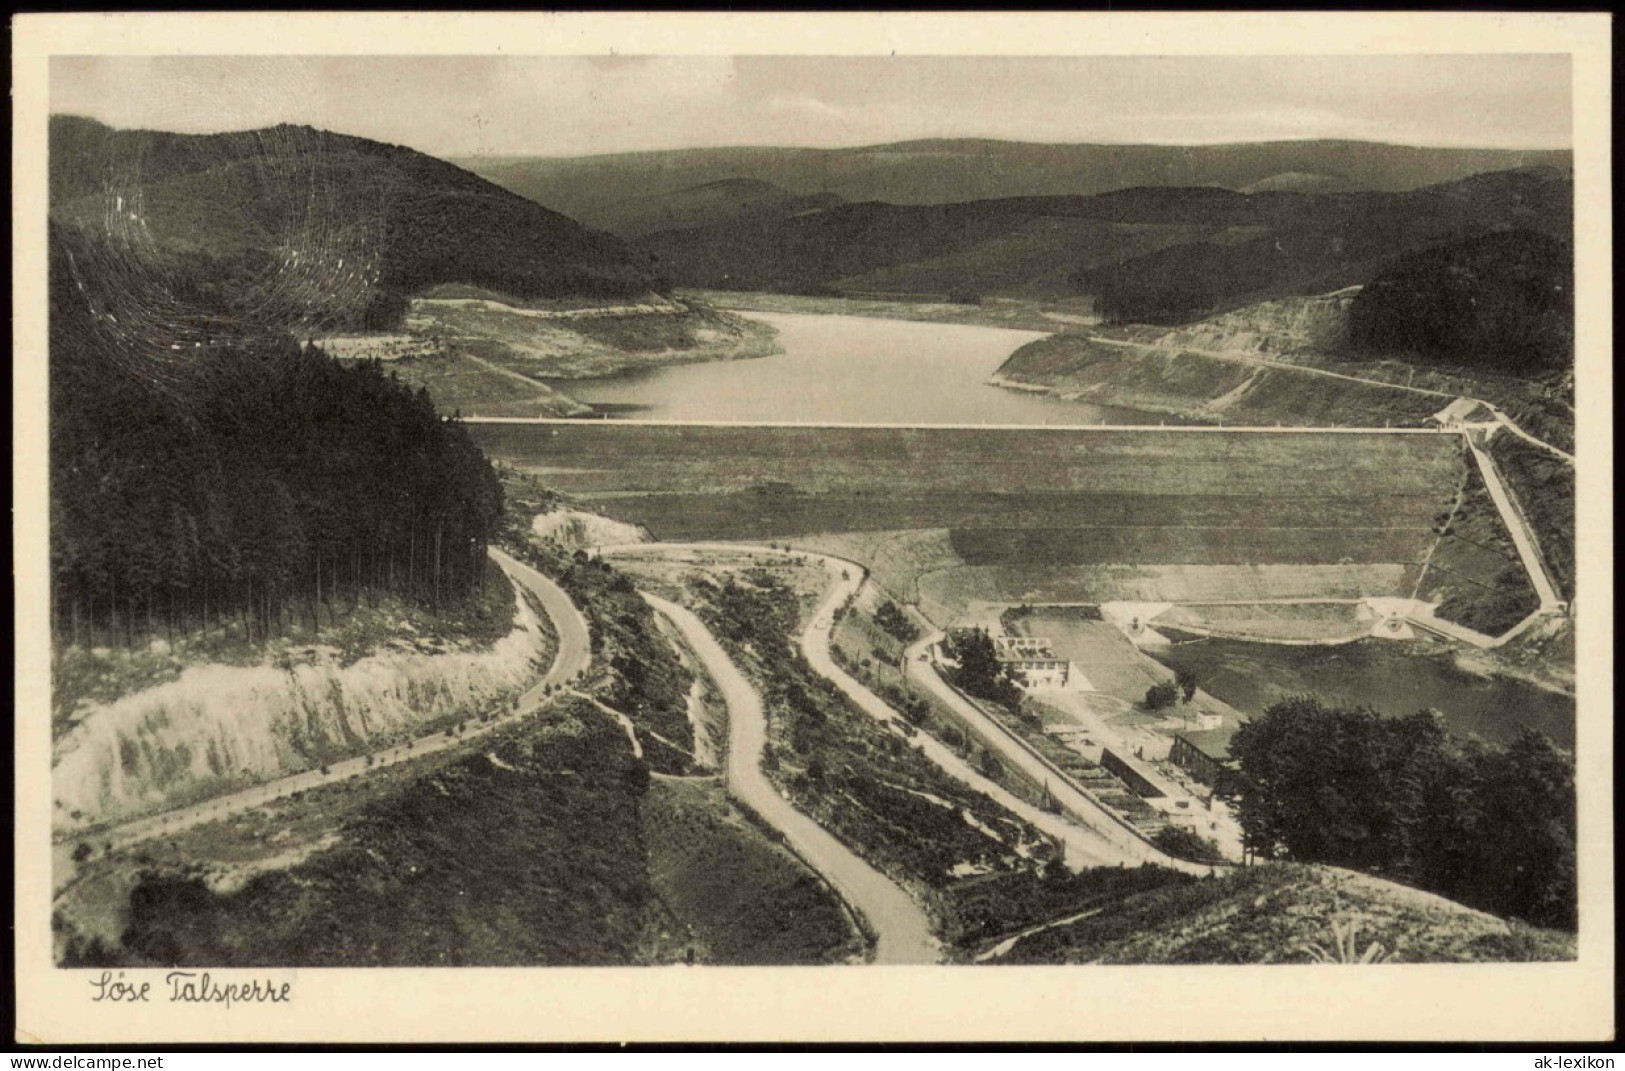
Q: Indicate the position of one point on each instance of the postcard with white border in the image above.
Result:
(810, 528)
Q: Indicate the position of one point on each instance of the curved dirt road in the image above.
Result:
(573, 657)
(1073, 802)
(1085, 847)
(1093, 837)
(903, 935)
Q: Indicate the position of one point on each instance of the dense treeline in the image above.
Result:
(1503, 302)
(896, 623)
(1493, 828)
(1157, 255)
(248, 482)
(530, 859)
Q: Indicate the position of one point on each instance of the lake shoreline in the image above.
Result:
(843, 369)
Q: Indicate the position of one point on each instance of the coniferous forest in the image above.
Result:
(237, 477)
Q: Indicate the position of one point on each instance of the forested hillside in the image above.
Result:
(295, 227)
(711, 202)
(619, 192)
(1500, 302)
(242, 481)
(1151, 254)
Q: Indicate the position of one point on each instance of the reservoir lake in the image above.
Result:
(1394, 679)
(859, 370)
(849, 369)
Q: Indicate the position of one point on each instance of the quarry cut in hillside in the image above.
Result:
(1273, 362)
(1285, 326)
(218, 726)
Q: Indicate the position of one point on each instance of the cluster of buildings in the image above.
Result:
(1031, 661)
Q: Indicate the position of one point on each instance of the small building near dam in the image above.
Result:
(1136, 781)
(1032, 661)
(1194, 760)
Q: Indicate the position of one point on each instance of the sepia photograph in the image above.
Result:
(969, 510)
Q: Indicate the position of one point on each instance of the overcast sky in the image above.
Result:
(568, 106)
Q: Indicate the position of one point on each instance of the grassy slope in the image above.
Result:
(81, 676)
(1544, 488)
(1475, 573)
(1277, 914)
(1197, 385)
(744, 898)
(389, 221)
(459, 384)
(643, 676)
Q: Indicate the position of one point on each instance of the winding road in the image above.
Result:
(902, 931)
(1093, 835)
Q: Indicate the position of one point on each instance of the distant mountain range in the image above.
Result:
(1150, 254)
(622, 193)
(291, 225)
(724, 201)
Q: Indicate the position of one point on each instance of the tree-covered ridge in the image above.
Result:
(1493, 828)
(297, 226)
(248, 480)
(1158, 255)
(1501, 302)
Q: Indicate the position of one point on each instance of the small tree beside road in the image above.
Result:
(1186, 680)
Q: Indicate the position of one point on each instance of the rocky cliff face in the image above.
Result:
(220, 726)
(1270, 328)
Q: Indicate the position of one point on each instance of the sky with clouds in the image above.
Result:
(568, 106)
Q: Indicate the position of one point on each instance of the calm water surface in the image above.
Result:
(1392, 678)
(850, 369)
